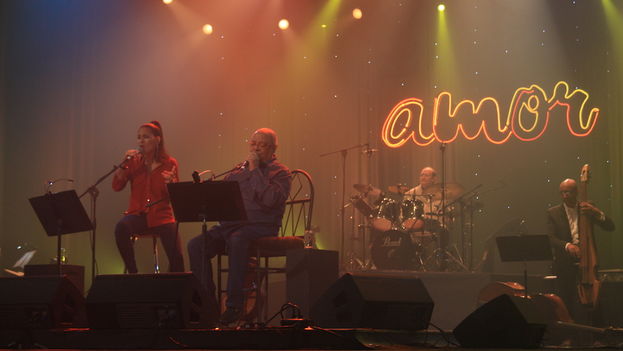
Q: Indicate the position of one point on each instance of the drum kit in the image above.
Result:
(409, 228)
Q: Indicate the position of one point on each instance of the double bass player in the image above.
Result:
(564, 223)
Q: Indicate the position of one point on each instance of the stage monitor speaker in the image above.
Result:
(504, 322)
(40, 302)
(374, 302)
(148, 301)
(74, 273)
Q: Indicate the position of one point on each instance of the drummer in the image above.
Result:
(425, 192)
(429, 193)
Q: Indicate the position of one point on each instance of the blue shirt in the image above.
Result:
(264, 191)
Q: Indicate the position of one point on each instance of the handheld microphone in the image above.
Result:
(196, 178)
(129, 157)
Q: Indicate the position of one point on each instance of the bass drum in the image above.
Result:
(392, 249)
(385, 215)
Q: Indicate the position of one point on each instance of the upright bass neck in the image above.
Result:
(588, 287)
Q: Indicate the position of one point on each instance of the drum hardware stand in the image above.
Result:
(467, 236)
(344, 153)
(353, 262)
(365, 262)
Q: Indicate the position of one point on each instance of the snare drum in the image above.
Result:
(385, 215)
(411, 214)
(392, 249)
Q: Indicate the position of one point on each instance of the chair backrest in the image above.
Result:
(298, 213)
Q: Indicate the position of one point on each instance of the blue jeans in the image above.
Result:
(233, 240)
(136, 224)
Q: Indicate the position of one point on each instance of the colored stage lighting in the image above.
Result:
(167, 2)
(441, 7)
(207, 29)
(284, 24)
(357, 13)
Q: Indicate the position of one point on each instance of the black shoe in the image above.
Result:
(231, 315)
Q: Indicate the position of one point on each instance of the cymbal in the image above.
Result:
(398, 189)
(362, 188)
(453, 190)
(366, 188)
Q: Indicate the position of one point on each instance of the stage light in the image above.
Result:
(441, 7)
(207, 29)
(284, 24)
(167, 2)
(357, 13)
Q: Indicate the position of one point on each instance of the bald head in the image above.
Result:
(263, 142)
(569, 192)
(428, 176)
(270, 135)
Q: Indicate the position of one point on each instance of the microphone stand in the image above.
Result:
(94, 192)
(224, 173)
(344, 153)
(442, 250)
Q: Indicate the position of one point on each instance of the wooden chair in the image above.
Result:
(297, 219)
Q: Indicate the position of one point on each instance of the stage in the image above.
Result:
(273, 338)
(448, 300)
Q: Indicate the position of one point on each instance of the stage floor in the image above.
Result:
(272, 338)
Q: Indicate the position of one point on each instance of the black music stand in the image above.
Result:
(61, 213)
(208, 201)
(524, 248)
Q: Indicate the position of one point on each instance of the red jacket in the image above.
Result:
(148, 188)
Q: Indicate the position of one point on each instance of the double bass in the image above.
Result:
(588, 283)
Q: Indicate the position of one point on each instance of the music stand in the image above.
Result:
(61, 213)
(208, 201)
(524, 248)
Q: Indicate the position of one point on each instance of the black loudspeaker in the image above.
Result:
(74, 273)
(610, 307)
(374, 302)
(309, 273)
(146, 301)
(40, 302)
(504, 322)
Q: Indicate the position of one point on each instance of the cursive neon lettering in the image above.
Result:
(527, 117)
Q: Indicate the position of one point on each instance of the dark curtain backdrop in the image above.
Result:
(79, 77)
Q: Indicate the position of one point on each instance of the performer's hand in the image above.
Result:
(254, 160)
(590, 210)
(126, 157)
(573, 250)
(169, 176)
(131, 153)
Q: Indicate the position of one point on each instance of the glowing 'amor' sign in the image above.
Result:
(526, 119)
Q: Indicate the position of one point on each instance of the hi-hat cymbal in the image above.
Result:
(453, 190)
(398, 189)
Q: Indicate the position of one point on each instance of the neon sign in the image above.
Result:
(527, 117)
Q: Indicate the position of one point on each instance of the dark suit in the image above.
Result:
(565, 266)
